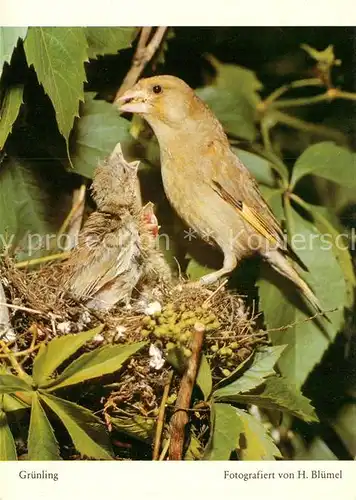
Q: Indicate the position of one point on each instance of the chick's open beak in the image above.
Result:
(133, 101)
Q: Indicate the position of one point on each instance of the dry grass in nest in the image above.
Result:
(231, 334)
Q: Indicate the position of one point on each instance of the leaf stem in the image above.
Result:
(279, 165)
(14, 363)
(308, 82)
(288, 213)
(297, 123)
(330, 95)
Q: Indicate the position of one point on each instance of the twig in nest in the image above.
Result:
(164, 450)
(73, 221)
(180, 417)
(144, 53)
(160, 420)
(42, 260)
(206, 302)
(22, 308)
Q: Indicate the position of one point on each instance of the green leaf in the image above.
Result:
(97, 132)
(22, 191)
(285, 313)
(9, 111)
(7, 443)
(325, 57)
(204, 378)
(344, 426)
(233, 98)
(279, 394)
(316, 450)
(204, 381)
(329, 161)
(58, 56)
(93, 364)
(85, 429)
(108, 40)
(52, 355)
(136, 426)
(259, 167)
(42, 443)
(10, 384)
(261, 367)
(235, 113)
(13, 403)
(8, 40)
(237, 78)
(323, 221)
(226, 429)
(10, 402)
(255, 443)
(239, 369)
(194, 449)
(195, 270)
(274, 198)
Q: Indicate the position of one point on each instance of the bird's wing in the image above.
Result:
(245, 195)
(103, 256)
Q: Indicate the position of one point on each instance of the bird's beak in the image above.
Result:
(133, 101)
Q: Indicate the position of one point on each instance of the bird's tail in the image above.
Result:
(283, 266)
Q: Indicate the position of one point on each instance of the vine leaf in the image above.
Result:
(279, 394)
(226, 429)
(261, 368)
(42, 443)
(108, 40)
(58, 56)
(288, 318)
(326, 160)
(32, 210)
(96, 134)
(53, 354)
(233, 97)
(255, 442)
(204, 377)
(96, 363)
(9, 111)
(85, 429)
(9, 37)
(7, 443)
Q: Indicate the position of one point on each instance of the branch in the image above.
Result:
(329, 96)
(160, 421)
(180, 416)
(297, 84)
(143, 55)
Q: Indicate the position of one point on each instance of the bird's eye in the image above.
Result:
(157, 89)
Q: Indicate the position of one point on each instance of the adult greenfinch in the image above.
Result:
(206, 183)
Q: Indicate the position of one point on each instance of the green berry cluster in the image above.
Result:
(226, 355)
(175, 324)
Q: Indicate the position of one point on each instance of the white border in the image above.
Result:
(176, 481)
(178, 13)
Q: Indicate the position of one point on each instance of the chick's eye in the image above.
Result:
(157, 89)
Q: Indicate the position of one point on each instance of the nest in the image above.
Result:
(130, 400)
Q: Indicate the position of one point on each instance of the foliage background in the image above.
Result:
(57, 121)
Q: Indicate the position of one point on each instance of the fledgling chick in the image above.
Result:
(115, 246)
(205, 181)
(156, 268)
